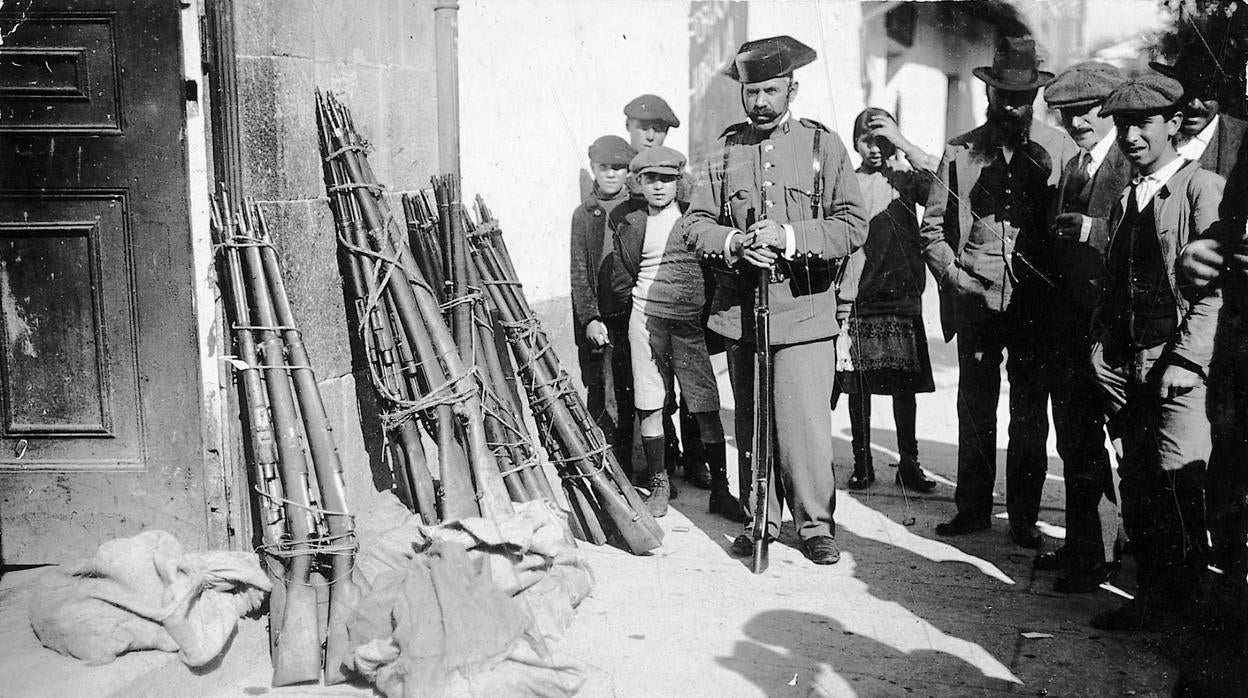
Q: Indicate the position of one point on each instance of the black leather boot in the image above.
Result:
(722, 502)
(910, 476)
(864, 474)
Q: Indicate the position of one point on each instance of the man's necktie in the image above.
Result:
(1078, 179)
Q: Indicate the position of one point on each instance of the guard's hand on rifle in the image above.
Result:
(766, 233)
(596, 332)
(761, 243)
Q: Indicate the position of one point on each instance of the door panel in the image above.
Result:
(100, 425)
(62, 76)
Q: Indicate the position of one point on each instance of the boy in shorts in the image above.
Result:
(665, 327)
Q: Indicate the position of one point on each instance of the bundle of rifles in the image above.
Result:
(308, 535)
(446, 329)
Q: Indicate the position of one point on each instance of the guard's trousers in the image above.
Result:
(802, 456)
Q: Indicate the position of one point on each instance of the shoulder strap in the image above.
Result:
(816, 199)
(725, 211)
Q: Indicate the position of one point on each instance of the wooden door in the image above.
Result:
(100, 397)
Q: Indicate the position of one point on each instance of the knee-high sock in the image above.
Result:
(717, 462)
(656, 453)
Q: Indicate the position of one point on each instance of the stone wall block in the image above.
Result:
(358, 446)
(254, 23)
(410, 125)
(267, 28)
(357, 29)
(417, 23)
(257, 82)
(305, 242)
(329, 42)
(296, 28)
(299, 176)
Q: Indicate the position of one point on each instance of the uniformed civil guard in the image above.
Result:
(779, 193)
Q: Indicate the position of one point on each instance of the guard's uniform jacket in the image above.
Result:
(778, 174)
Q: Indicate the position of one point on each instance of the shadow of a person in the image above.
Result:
(796, 653)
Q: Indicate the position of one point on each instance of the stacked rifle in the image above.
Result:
(416, 367)
(482, 340)
(308, 536)
(412, 285)
(605, 506)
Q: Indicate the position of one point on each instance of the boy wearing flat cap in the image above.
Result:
(1089, 186)
(1153, 347)
(601, 330)
(665, 327)
(648, 118)
(779, 193)
(985, 232)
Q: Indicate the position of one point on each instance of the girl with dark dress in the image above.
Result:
(883, 350)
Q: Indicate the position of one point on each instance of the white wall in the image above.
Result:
(830, 88)
(541, 79)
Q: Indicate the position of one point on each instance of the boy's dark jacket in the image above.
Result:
(588, 278)
(628, 226)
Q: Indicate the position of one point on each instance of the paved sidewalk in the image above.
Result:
(902, 614)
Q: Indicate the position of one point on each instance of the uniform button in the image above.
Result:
(769, 203)
(768, 184)
(768, 148)
(767, 165)
(1007, 190)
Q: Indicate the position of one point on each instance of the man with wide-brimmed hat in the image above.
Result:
(1089, 186)
(778, 193)
(985, 233)
(1153, 351)
(1207, 134)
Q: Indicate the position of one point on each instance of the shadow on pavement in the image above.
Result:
(825, 658)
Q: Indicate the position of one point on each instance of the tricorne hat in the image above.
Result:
(1014, 66)
(773, 57)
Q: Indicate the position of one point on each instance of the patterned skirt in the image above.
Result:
(883, 355)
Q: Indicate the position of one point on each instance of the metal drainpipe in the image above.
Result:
(446, 46)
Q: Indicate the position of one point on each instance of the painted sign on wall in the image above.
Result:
(716, 29)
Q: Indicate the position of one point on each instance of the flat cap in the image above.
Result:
(1082, 85)
(611, 150)
(651, 108)
(1147, 93)
(658, 159)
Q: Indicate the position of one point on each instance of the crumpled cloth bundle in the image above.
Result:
(146, 592)
(467, 608)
